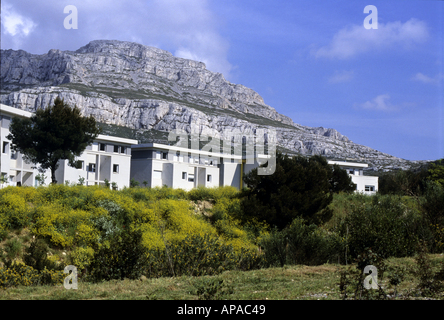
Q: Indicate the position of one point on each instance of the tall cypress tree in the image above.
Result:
(59, 132)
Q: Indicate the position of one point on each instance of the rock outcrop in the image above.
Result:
(145, 88)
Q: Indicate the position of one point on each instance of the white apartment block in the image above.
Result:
(157, 165)
(364, 184)
(107, 159)
(117, 160)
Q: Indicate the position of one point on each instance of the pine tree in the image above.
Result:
(300, 187)
(59, 132)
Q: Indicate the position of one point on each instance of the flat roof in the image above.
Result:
(4, 109)
(349, 164)
(11, 111)
(185, 150)
(116, 139)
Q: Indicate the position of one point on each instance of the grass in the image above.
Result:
(288, 283)
(172, 96)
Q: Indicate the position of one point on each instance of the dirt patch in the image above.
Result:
(202, 207)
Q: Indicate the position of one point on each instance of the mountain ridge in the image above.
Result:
(148, 89)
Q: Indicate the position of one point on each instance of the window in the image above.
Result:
(184, 175)
(92, 167)
(157, 174)
(191, 178)
(5, 147)
(164, 155)
(370, 188)
(209, 178)
(13, 155)
(116, 149)
(351, 171)
(122, 149)
(115, 168)
(102, 147)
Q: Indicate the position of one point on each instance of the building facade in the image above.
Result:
(156, 165)
(364, 184)
(117, 160)
(107, 159)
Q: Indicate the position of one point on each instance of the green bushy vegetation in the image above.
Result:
(301, 243)
(110, 234)
(163, 232)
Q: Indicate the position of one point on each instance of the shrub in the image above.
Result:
(86, 235)
(212, 289)
(15, 274)
(430, 284)
(194, 256)
(37, 258)
(18, 274)
(3, 233)
(301, 244)
(198, 255)
(13, 248)
(351, 284)
(124, 257)
(14, 213)
(50, 222)
(201, 193)
(386, 225)
(432, 208)
(82, 257)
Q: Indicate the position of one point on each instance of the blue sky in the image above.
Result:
(313, 61)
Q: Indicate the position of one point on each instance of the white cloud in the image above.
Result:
(342, 76)
(380, 103)
(356, 39)
(15, 24)
(188, 29)
(426, 79)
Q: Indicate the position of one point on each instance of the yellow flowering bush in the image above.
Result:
(86, 235)
(198, 255)
(15, 274)
(48, 225)
(88, 220)
(14, 212)
(82, 257)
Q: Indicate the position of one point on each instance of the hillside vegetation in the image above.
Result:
(161, 232)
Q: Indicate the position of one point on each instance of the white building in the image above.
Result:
(177, 167)
(364, 184)
(156, 164)
(108, 158)
(117, 160)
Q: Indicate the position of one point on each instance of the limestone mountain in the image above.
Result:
(143, 92)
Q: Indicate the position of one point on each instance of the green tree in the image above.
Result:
(404, 182)
(340, 181)
(436, 172)
(57, 133)
(300, 187)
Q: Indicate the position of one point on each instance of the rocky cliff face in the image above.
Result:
(148, 89)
